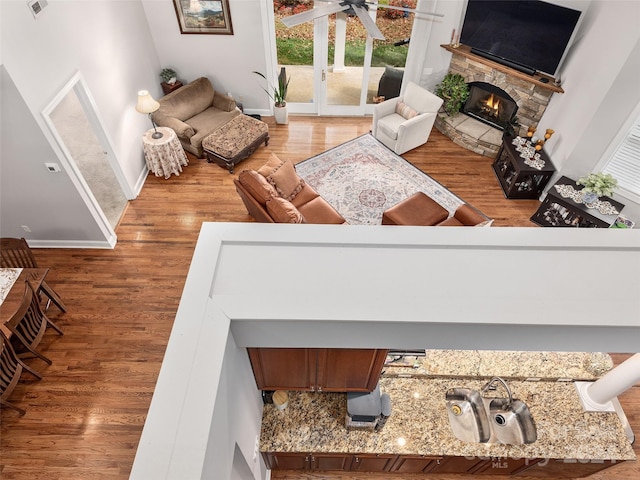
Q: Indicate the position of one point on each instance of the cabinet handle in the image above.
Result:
(319, 389)
(357, 460)
(313, 388)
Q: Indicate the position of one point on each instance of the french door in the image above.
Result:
(337, 80)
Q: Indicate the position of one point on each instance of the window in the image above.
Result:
(624, 164)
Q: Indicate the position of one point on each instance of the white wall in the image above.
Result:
(110, 44)
(227, 60)
(48, 203)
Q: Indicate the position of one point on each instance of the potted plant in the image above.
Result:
(454, 90)
(597, 185)
(168, 75)
(278, 94)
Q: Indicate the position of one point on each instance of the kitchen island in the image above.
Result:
(313, 425)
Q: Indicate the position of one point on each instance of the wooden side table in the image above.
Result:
(521, 177)
(164, 155)
(564, 207)
(167, 88)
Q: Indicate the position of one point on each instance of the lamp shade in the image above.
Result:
(146, 103)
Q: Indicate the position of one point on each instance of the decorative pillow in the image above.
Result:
(257, 185)
(405, 110)
(286, 181)
(283, 211)
(268, 168)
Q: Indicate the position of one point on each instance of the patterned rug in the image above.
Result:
(362, 178)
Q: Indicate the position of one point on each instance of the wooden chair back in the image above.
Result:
(11, 368)
(15, 253)
(29, 323)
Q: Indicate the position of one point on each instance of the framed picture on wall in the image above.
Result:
(204, 16)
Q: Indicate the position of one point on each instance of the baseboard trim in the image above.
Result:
(109, 243)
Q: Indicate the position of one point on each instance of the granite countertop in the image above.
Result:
(419, 424)
(552, 366)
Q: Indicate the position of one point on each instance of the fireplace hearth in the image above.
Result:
(490, 105)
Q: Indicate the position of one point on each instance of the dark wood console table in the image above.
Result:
(518, 176)
(562, 208)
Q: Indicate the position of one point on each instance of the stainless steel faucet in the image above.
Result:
(491, 386)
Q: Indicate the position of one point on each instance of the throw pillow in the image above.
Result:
(405, 110)
(268, 168)
(257, 186)
(283, 211)
(286, 181)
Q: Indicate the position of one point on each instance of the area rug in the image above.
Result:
(362, 178)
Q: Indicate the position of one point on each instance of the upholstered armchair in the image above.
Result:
(405, 122)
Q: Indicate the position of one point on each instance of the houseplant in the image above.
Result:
(597, 185)
(168, 75)
(278, 93)
(454, 90)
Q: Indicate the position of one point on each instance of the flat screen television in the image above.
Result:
(529, 35)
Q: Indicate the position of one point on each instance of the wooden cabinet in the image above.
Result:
(521, 177)
(328, 462)
(565, 468)
(563, 207)
(504, 466)
(403, 464)
(373, 462)
(415, 464)
(317, 369)
(457, 465)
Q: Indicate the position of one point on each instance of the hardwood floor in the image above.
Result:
(85, 417)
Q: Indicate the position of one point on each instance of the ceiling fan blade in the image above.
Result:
(312, 14)
(368, 22)
(403, 9)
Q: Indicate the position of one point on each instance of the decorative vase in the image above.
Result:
(589, 197)
(281, 115)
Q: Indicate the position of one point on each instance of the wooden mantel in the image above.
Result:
(539, 79)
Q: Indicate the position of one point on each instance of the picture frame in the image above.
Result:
(204, 16)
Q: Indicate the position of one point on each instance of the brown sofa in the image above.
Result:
(276, 194)
(194, 111)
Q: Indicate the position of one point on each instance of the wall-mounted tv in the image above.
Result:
(529, 35)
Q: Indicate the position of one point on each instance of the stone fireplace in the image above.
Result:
(490, 105)
(525, 96)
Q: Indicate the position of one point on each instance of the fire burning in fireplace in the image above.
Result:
(490, 105)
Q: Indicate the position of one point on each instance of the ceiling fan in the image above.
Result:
(357, 7)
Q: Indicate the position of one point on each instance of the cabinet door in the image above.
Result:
(349, 370)
(373, 463)
(417, 464)
(283, 368)
(456, 465)
(330, 461)
(287, 461)
(504, 466)
(558, 468)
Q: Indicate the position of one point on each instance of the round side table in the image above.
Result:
(164, 155)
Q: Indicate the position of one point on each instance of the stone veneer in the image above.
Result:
(530, 94)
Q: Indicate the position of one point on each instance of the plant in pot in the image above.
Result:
(597, 185)
(168, 75)
(278, 93)
(454, 91)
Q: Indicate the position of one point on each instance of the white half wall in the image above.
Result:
(369, 287)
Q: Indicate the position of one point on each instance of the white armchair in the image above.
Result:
(405, 122)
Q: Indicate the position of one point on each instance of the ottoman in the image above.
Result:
(235, 141)
(418, 209)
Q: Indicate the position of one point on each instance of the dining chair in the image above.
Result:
(16, 253)
(29, 323)
(11, 368)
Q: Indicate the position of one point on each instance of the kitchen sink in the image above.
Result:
(511, 422)
(468, 415)
(474, 418)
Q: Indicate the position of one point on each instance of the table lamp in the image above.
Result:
(146, 104)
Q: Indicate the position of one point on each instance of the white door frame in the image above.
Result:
(80, 88)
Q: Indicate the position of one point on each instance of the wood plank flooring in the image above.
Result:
(84, 418)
